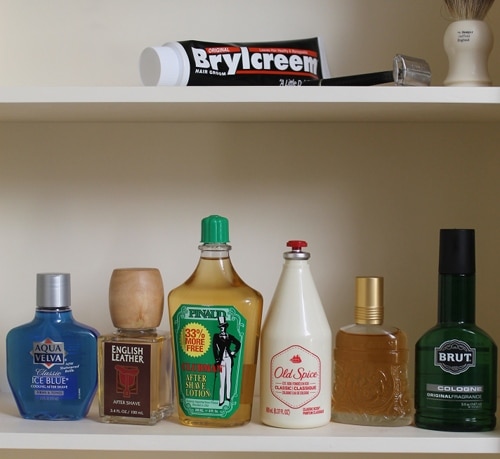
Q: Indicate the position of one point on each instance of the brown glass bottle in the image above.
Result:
(135, 362)
(371, 381)
(212, 306)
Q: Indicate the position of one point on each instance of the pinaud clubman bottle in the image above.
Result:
(371, 364)
(296, 350)
(456, 361)
(215, 322)
(135, 362)
(52, 360)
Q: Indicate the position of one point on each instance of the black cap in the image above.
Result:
(457, 251)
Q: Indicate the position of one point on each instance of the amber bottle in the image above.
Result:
(371, 380)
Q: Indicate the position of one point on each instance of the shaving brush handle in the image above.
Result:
(468, 44)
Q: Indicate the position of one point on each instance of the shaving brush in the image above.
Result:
(468, 42)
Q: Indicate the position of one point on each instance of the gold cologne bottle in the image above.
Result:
(135, 362)
(371, 380)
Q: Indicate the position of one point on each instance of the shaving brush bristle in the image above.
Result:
(468, 9)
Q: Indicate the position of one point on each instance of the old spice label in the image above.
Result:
(295, 376)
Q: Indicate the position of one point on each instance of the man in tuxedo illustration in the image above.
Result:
(225, 347)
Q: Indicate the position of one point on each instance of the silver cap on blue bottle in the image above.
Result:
(53, 290)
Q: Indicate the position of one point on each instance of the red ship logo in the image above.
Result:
(296, 359)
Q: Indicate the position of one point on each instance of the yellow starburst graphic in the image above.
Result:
(195, 339)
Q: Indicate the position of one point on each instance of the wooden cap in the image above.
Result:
(136, 298)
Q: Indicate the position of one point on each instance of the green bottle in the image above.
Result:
(456, 361)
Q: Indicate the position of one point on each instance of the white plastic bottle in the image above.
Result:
(296, 350)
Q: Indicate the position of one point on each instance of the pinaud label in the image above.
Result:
(455, 357)
(48, 353)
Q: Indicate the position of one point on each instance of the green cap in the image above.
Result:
(215, 230)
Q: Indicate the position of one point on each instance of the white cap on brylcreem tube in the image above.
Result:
(166, 65)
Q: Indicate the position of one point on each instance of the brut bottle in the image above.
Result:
(456, 361)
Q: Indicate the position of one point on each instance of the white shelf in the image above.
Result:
(249, 104)
(169, 435)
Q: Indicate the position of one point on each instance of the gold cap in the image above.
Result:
(136, 298)
(369, 308)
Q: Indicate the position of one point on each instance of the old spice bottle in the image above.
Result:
(296, 350)
(215, 322)
(135, 362)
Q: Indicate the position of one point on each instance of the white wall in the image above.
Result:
(370, 199)
(95, 42)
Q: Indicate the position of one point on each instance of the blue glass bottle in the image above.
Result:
(52, 360)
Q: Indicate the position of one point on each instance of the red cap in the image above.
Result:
(296, 245)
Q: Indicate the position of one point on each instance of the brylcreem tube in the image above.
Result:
(198, 63)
